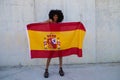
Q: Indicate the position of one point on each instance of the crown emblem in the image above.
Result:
(51, 41)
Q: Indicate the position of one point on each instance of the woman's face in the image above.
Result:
(55, 18)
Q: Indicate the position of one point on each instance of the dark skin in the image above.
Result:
(55, 18)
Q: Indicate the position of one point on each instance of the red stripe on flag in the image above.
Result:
(52, 26)
(53, 54)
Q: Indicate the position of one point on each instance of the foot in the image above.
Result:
(61, 72)
(46, 74)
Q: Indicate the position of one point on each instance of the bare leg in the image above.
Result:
(61, 72)
(48, 63)
(60, 61)
(46, 74)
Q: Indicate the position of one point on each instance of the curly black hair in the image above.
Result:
(58, 13)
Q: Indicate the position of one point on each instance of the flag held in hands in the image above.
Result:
(50, 40)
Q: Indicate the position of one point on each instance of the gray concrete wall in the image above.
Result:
(14, 15)
(100, 17)
(108, 30)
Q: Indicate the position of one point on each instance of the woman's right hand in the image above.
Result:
(50, 21)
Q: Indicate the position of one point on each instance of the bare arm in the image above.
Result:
(48, 21)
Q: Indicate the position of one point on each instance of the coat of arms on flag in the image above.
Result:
(50, 40)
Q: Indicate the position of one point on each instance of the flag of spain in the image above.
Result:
(50, 40)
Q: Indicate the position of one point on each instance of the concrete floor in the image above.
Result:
(108, 71)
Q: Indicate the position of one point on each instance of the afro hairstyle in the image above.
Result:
(58, 13)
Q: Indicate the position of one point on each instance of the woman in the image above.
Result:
(55, 16)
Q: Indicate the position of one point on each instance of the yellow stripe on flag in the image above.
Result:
(68, 39)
